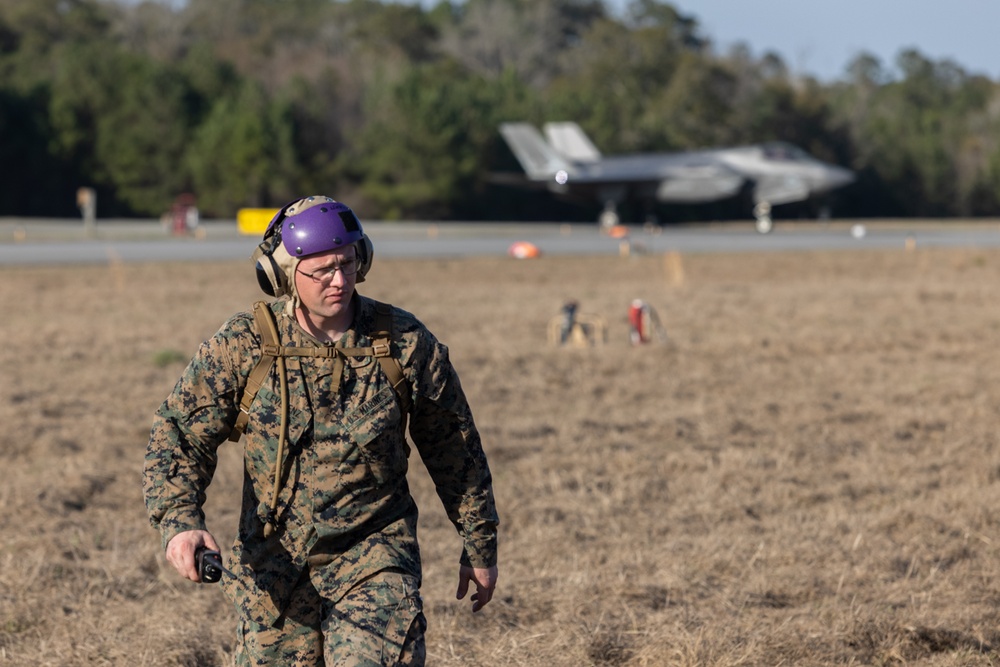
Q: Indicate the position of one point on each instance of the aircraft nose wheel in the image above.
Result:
(608, 218)
(762, 211)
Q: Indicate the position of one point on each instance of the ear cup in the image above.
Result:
(270, 277)
(365, 253)
(266, 279)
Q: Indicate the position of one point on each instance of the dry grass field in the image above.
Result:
(805, 473)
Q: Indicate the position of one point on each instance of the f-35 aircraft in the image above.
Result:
(568, 163)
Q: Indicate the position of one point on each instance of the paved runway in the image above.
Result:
(39, 242)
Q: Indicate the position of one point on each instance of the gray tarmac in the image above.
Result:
(46, 241)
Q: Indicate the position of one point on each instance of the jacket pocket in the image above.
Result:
(376, 427)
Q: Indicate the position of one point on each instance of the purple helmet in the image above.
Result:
(317, 224)
(306, 227)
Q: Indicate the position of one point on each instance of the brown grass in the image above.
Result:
(806, 473)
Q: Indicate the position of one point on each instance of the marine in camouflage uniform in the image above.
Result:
(337, 582)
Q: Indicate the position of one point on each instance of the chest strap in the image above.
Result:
(272, 350)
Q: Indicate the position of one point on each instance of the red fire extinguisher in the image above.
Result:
(638, 320)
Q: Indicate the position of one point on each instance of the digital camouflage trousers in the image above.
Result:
(379, 622)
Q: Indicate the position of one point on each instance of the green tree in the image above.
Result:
(926, 138)
(694, 110)
(527, 37)
(243, 154)
(34, 181)
(617, 77)
(427, 140)
(123, 119)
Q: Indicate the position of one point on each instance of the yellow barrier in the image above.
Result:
(254, 220)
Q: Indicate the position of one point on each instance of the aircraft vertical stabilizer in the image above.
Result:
(539, 160)
(570, 140)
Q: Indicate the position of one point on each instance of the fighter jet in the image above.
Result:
(568, 163)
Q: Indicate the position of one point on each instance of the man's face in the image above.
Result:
(325, 281)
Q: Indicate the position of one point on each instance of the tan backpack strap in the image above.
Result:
(269, 351)
(382, 350)
(293, 351)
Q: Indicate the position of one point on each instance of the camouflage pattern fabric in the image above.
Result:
(378, 622)
(345, 505)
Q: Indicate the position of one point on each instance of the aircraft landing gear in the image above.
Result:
(762, 212)
(609, 216)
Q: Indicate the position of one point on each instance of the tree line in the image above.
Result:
(394, 108)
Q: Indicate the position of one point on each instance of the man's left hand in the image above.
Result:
(485, 579)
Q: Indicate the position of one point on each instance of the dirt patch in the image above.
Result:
(806, 472)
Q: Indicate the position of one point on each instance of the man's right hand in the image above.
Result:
(181, 548)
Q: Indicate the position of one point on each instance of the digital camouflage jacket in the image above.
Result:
(344, 501)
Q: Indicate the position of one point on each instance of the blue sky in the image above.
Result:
(820, 37)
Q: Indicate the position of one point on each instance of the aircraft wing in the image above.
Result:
(700, 183)
(780, 189)
(676, 177)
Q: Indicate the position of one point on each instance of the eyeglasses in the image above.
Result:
(325, 275)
